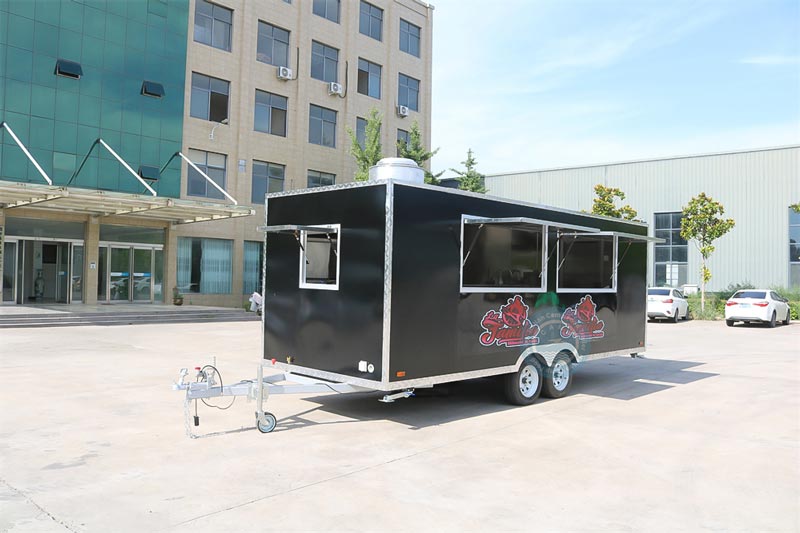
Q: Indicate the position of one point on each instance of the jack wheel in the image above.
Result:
(270, 424)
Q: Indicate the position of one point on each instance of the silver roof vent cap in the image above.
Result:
(398, 169)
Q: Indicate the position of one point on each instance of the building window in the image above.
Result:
(267, 177)
(408, 93)
(204, 265)
(270, 113)
(586, 262)
(328, 9)
(319, 258)
(671, 257)
(253, 258)
(794, 248)
(212, 25)
(503, 258)
(370, 21)
(409, 38)
(320, 179)
(214, 167)
(324, 62)
(273, 45)
(322, 126)
(361, 132)
(369, 78)
(402, 138)
(209, 98)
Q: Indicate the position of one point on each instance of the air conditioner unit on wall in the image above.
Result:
(335, 88)
(284, 73)
(402, 111)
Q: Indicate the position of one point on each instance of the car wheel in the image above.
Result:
(772, 320)
(729, 323)
(524, 386)
(688, 315)
(788, 317)
(558, 378)
(676, 316)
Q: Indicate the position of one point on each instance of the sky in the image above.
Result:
(531, 84)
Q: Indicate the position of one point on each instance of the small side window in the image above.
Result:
(586, 263)
(319, 258)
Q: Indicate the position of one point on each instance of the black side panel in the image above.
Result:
(321, 329)
(436, 330)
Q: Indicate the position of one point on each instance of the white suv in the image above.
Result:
(664, 302)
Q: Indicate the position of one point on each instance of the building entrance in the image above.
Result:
(130, 273)
(42, 271)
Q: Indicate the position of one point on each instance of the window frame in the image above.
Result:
(371, 17)
(407, 88)
(320, 172)
(303, 284)
(326, 60)
(326, 15)
(793, 224)
(410, 36)
(270, 106)
(205, 168)
(273, 40)
(267, 178)
(322, 122)
(369, 76)
(214, 21)
(207, 95)
(670, 248)
(614, 264)
(503, 289)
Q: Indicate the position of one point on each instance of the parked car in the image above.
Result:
(665, 302)
(757, 305)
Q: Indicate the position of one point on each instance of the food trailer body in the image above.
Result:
(392, 284)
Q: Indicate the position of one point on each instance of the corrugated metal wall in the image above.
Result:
(756, 188)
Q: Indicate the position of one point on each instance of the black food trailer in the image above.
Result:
(392, 285)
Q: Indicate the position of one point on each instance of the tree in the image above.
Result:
(470, 179)
(795, 207)
(603, 204)
(414, 150)
(702, 223)
(372, 151)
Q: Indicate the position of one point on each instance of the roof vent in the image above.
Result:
(149, 173)
(68, 69)
(152, 88)
(398, 169)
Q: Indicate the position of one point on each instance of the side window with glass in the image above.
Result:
(273, 45)
(328, 9)
(671, 256)
(319, 258)
(270, 113)
(586, 262)
(267, 178)
(212, 25)
(213, 165)
(502, 257)
(209, 98)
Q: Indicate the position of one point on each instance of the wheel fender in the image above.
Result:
(547, 353)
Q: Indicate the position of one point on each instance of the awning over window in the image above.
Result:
(107, 203)
(524, 221)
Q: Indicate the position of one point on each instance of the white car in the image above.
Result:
(757, 305)
(664, 302)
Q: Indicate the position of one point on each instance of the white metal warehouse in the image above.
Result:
(755, 186)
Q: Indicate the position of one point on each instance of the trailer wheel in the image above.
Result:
(524, 386)
(269, 425)
(558, 378)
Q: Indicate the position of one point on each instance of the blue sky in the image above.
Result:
(535, 84)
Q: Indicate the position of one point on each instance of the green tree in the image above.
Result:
(470, 179)
(603, 204)
(795, 207)
(368, 155)
(702, 224)
(414, 150)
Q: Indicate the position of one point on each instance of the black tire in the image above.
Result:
(688, 315)
(676, 316)
(558, 378)
(513, 385)
(269, 426)
(729, 323)
(788, 317)
(773, 320)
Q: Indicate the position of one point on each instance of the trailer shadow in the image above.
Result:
(619, 378)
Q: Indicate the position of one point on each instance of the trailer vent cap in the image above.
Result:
(398, 169)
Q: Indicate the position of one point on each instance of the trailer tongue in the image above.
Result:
(391, 285)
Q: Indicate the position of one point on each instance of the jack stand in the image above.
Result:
(390, 398)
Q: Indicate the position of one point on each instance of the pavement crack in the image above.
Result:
(32, 502)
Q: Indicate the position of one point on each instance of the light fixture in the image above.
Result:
(217, 125)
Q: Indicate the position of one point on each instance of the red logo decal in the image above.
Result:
(510, 326)
(580, 320)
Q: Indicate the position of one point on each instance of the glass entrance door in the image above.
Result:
(142, 275)
(120, 275)
(9, 272)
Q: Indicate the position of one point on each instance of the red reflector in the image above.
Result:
(668, 301)
(274, 360)
(401, 374)
(197, 368)
(761, 304)
(728, 304)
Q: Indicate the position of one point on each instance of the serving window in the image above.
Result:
(587, 262)
(319, 258)
(503, 257)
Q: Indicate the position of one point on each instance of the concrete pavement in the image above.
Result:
(702, 434)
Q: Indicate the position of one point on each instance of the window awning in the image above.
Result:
(524, 221)
(108, 203)
(623, 235)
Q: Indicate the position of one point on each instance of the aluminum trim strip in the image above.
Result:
(526, 220)
(387, 284)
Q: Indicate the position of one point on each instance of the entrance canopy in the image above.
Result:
(107, 203)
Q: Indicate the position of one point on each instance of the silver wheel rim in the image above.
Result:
(270, 424)
(560, 375)
(528, 381)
